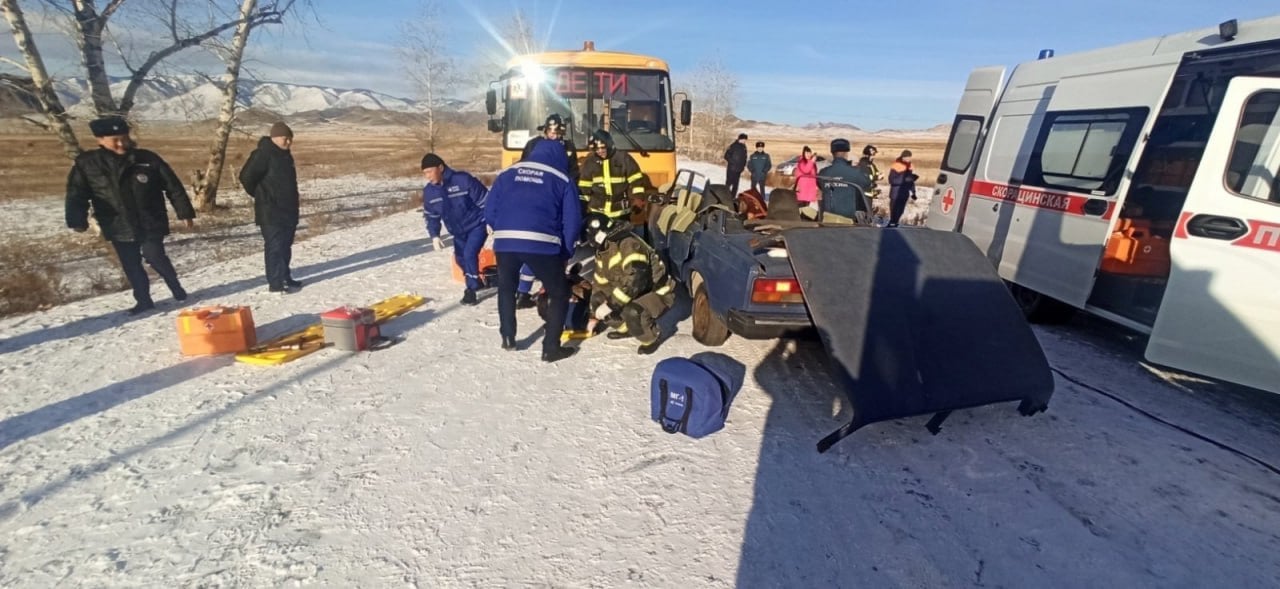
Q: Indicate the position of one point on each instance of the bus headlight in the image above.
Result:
(533, 72)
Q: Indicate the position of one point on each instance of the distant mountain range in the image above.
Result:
(828, 129)
(194, 98)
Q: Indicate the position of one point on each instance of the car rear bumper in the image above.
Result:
(752, 325)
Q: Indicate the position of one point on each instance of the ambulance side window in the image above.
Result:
(1253, 171)
(960, 148)
(1085, 151)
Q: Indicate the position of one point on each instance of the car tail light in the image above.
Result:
(776, 290)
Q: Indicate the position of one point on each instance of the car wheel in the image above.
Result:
(708, 329)
(1041, 308)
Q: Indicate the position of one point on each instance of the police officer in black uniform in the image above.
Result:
(126, 188)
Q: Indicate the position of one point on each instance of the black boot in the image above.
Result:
(558, 354)
(469, 298)
(508, 343)
(646, 349)
(525, 301)
(179, 294)
(291, 283)
(618, 335)
(141, 307)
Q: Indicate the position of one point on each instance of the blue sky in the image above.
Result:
(872, 64)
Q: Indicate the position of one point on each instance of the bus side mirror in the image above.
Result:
(686, 112)
(495, 125)
(491, 102)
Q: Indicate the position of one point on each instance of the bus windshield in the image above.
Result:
(631, 104)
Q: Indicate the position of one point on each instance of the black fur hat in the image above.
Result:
(109, 127)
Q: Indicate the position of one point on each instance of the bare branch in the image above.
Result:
(57, 5)
(124, 57)
(37, 122)
(140, 75)
(209, 79)
(173, 20)
(111, 8)
(19, 66)
(15, 87)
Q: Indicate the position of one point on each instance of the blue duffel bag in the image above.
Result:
(689, 397)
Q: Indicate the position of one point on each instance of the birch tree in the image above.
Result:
(90, 31)
(518, 34)
(514, 37)
(716, 90)
(431, 68)
(206, 185)
(50, 105)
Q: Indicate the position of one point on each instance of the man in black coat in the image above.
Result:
(736, 158)
(270, 177)
(126, 188)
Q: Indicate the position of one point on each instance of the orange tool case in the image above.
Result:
(488, 267)
(1132, 250)
(216, 330)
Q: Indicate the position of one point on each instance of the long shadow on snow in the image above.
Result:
(817, 522)
(310, 274)
(811, 524)
(55, 415)
(407, 322)
(842, 519)
(797, 534)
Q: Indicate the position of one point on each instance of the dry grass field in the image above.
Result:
(36, 266)
(33, 164)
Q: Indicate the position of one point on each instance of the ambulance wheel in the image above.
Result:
(708, 329)
(1041, 308)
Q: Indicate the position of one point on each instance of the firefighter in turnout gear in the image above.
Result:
(868, 166)
(631, 286)
(610, 179)
(554, 130)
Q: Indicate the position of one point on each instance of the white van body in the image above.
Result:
(1140, 183)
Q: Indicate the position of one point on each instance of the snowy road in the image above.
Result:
(445, 462)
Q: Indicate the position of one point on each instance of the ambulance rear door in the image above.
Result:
(967, 131)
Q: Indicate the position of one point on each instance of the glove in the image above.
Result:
(437, 243)
(603, 311)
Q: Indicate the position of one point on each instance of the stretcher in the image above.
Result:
(296, 344)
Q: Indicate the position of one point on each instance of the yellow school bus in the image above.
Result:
(626, 94)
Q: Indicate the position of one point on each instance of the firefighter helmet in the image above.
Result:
(554, 121)
(602, 138)
(596, 228)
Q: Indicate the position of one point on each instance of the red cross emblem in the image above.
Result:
(948, 199)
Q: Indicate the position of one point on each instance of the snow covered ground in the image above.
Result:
(446, 462)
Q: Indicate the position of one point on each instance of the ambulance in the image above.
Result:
(1139, 183)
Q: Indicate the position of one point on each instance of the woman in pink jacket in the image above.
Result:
(807, 177)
